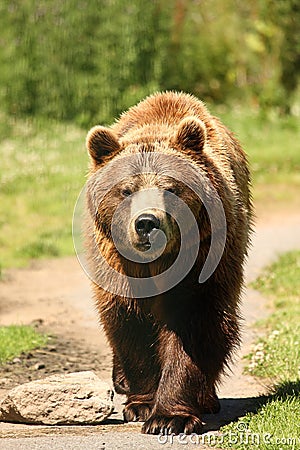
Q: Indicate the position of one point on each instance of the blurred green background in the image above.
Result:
(85, 61)
(68, 65)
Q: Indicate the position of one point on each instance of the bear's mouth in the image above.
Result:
(143, 246)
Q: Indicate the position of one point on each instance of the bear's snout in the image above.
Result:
(145, 223)
(144, 226)
(149, 231)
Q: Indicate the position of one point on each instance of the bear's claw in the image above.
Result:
(136, 412)
(175, 424)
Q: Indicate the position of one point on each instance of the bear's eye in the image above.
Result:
(172, 190)
(126, 192)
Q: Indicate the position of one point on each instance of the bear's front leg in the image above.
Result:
(180, 398)
(136, 368)
(137, 407)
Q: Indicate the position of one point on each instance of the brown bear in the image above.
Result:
(168, 182)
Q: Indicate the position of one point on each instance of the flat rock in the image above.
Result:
(69, 399)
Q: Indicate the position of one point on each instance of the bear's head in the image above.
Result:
(145, 194)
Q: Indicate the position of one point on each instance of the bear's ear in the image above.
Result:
(101, 142)
(191, 134)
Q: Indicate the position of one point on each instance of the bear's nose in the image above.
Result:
(145, 223)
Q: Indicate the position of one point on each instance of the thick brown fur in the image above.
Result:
(170, 350)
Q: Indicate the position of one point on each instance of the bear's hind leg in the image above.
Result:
(211, 403)
(120, 382)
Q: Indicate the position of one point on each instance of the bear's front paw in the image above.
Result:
(136, 412)
(175, 424)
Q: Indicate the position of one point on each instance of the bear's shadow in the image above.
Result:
(234, 408)
(231, 410)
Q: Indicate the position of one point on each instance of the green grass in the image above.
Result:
(42, 171)
(278, 353)
(15, 339)
(275, 426)
(43, 168)
(276, 357)
(272, 143)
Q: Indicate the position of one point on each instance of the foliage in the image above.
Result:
(287, 16)
(77, 60)
(17, 339)
(86, 61)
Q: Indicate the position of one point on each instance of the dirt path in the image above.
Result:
(55, 295)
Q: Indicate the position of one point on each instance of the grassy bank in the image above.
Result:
(273, 146)
(276, 357)
(278, 354)
(43, 167)
(17, 339)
